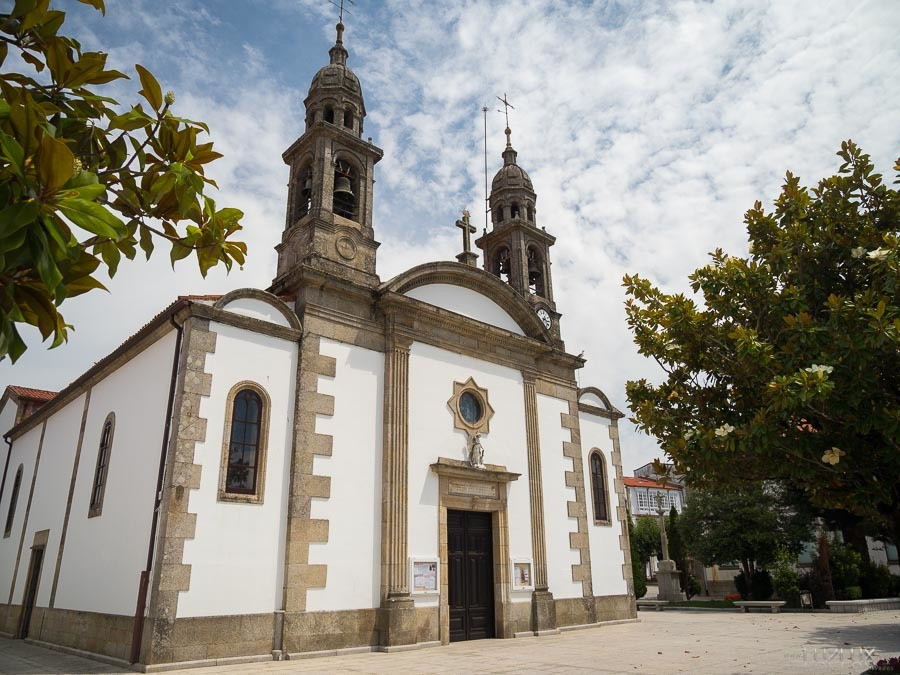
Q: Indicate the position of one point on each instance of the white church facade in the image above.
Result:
(334, 463)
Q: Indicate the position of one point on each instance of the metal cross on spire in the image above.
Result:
(340, 6)
(506, 106)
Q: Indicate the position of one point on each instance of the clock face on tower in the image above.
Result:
(544, 316)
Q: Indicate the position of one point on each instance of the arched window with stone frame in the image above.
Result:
(101, 469)
(328, 116)
(244, 444)
(13, 500)
(348, 118)
(599, 492)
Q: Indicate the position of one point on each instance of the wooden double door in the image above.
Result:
(470, 577)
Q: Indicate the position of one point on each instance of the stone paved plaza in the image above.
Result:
(662, 642)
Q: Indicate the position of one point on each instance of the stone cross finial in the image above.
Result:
(467, 230)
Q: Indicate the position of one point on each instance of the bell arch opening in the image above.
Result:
(536, 277)
(501, 266)
(346, 190)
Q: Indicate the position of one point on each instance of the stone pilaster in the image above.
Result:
(543, 609)
(397, 620)
(299, 575)
(621, 507)
(578, 540)
(171, 575)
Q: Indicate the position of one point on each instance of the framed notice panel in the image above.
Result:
(522, 579)
(424, 576)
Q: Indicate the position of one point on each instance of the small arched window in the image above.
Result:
(348, 118)
(329, 115)
(13, 499)
(530, 211)
(598, 488)
(514, 211)
(98, 487)
(244, 444)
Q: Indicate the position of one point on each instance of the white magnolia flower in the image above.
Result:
(816, 369)
(689, 435)
(833, 456)
(724, 430)
(879, 253)
(858, 252)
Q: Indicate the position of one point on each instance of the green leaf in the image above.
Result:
(18, 215)
(151, 89)
(55, 163)
(92, 217)
(13, 152)
(96, 4)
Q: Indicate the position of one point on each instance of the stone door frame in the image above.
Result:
(464, 488)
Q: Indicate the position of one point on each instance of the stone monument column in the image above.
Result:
(666, 573)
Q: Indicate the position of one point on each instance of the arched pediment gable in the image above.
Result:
(473, 279)
(258, 304)
(594, 400)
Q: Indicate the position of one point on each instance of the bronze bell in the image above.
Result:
(342, 186)
(307, 186)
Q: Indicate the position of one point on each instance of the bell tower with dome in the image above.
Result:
(328, 225)
(516, 249)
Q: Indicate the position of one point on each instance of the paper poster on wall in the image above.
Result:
(424, 573)
(521, 575)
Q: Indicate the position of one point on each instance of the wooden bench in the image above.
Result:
(773, 605)
(656, 604)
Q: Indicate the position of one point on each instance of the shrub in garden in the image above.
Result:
(761, 585)
(875, 580)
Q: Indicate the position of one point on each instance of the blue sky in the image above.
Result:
(648, 128)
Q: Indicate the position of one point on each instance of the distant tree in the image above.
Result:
(637, 567)
(676, 545)
(84, 182)
(747, 526)
(787, 365)
(646, 540)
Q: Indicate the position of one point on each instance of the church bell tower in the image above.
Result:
(329, 211)
(516, 249)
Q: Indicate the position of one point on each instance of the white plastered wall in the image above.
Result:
(237, 555)
(353, 510)
(557, 523)
(7, 417)
(606, 555)
(466, 302)
(48, 506)
(432, 372)
(24, 451)
(104, 555)
(257, 309)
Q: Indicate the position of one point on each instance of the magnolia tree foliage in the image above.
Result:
(786, 366)
(84, 181)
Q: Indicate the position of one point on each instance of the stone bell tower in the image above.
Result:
(329, 210)
(516, 249)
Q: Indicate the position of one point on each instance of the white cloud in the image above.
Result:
(648, 130)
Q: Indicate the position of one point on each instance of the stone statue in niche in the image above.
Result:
(476, 452)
